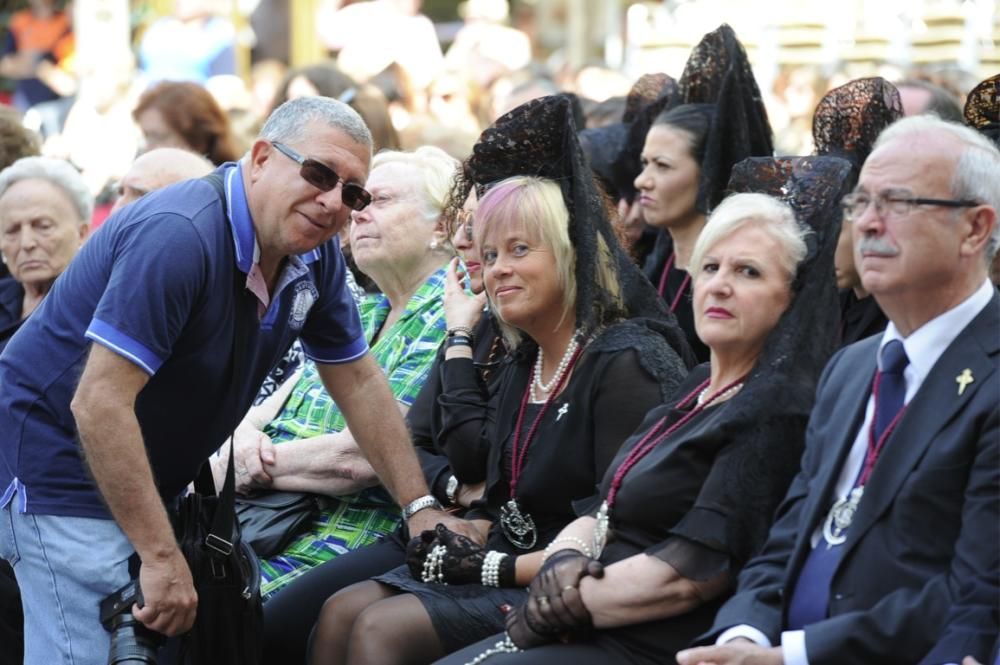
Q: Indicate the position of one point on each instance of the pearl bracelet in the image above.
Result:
(490, 574)
(581, 546)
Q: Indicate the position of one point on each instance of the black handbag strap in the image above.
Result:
(221, 537)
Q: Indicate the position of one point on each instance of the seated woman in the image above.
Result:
(688, 498)
(686, 160)
(45, 210)
(579, 379)
(298, 439)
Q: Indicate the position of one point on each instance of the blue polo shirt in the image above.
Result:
(156, 284)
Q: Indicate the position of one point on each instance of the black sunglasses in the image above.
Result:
(323, 178)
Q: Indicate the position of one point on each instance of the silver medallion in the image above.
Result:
(840, 517)
(518, 527)
(601, 530)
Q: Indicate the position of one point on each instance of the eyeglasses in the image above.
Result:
(899, 202)
(464, 220)
(323, 178)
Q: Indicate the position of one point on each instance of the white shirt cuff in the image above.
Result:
(744, 630)
(793, 647)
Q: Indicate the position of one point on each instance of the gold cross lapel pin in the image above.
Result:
(964, 379)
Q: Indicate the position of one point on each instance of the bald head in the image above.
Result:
(158, 168)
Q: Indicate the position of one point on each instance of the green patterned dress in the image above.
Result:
(405, 353)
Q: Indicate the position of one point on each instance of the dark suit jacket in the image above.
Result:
(973, 623)
(929, 520)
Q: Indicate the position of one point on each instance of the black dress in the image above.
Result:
(610, 392)
(675, 504)
(675, 289)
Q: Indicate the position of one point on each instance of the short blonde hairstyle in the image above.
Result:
(535, 207)
(436, 168)
(771, 215)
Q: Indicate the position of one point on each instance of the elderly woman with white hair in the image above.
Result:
(45, 210)
(641, 573)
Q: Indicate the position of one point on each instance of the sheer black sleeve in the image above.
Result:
(730, 518)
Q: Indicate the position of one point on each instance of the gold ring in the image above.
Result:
(542, 599)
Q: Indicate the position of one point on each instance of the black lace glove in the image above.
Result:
(554, 600)
(416, 552)
(522, 634)
(463, 559)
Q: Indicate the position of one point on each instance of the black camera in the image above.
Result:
(131, 642)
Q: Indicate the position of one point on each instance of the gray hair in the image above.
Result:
(436, 168)
(56, 171)
(288, 122)
(767, 213)
(975, 176)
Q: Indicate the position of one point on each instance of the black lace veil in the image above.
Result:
(539, 138)
(849, 118)
(718, 72)
(770, 413)
(982, 108)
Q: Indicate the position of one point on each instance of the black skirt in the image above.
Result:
(463, 613)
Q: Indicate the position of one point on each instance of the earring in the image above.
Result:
(433, 244)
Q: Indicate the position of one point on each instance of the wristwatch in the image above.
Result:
(418, 504)
(451, 489)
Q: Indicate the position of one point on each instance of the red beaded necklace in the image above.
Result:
(519, 450)
(653, 438)
(663, 284)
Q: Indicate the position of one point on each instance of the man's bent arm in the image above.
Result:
(360, 389)
(104, 409)
(362, 392)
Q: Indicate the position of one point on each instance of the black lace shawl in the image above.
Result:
(982, 108)
(770, 413)
(848, 119)
(718, 72)
(539, 138)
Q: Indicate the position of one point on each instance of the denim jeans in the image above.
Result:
(64, 567)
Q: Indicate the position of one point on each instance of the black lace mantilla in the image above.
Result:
(539, 138)
(771, 411)
(982, 108)
(718, 72)
(848, 119)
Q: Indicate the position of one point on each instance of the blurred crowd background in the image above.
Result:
(102, 80)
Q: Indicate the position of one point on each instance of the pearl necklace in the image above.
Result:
(724, 395)
(536, 383)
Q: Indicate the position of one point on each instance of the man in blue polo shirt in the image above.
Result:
(119, 386)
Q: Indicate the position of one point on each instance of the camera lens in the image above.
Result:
(131, 642)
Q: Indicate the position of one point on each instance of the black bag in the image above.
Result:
(226, 573)
(228, 627)
(271, 519)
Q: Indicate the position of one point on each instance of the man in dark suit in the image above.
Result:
(896, 508)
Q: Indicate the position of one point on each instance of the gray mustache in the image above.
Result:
(876, 245)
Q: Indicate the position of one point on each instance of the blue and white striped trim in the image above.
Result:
(107, 336)
(329, 356)
(16, 487)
